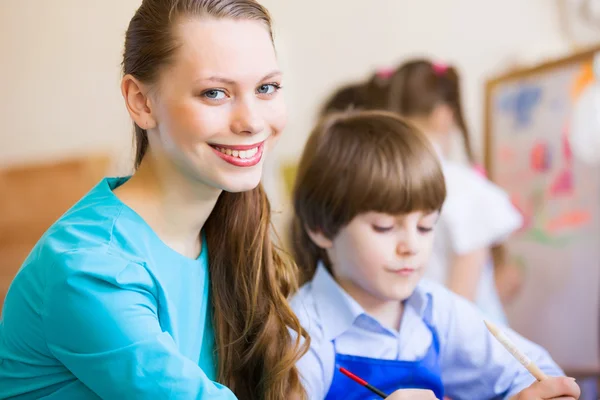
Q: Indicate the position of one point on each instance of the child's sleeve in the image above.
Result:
(474, 364)
(317, 365)
(312, 369)
(477, 213)
(100, 320)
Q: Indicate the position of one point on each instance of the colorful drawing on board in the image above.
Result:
(557, 105)
(569, 220)
(562, 184)
(540, 157)
(520, 103)
(566, 145)
(519, 261)
(538, 223)
(538, 199)
(583, 79)
(526, 213)
(506, 154)
(539, 235)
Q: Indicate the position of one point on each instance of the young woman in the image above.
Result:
(162, 284)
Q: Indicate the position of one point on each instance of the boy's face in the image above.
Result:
(381, 257)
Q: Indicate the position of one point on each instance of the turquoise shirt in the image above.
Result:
(102, 308)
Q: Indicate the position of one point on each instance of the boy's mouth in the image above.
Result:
(406, 271)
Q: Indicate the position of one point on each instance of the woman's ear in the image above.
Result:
(138, 104)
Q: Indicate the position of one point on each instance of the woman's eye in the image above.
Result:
(214, 94)
(269, 88)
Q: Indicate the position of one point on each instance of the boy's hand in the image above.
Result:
(412, 394)
(555, 388)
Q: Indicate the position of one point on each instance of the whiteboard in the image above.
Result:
(528, 153)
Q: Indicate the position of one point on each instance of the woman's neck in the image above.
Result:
(172, 204)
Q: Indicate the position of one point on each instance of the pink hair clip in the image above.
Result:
(384, 73)
(439, 68)
(480, 169)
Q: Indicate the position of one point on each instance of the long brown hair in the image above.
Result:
(357, 162)
(250, 279)
(418, 86)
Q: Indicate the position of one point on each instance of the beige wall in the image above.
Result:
(59, 73)
(59, 76)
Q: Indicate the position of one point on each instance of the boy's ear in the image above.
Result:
(319, 239)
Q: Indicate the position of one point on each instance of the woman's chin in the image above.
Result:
(240, 184)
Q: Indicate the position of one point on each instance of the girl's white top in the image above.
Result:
(476, 214)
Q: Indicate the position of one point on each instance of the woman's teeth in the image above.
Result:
(239, 153)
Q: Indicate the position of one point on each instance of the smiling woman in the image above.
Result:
(166, 282)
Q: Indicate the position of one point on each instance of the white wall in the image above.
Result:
(59, 74)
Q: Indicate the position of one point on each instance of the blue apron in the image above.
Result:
(388, 375)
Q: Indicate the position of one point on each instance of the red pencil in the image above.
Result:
(363, 382)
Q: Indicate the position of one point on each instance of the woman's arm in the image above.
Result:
(103, 326)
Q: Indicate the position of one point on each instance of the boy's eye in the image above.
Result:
(425, 229)
(382, 228)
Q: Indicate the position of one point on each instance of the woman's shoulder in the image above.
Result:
(66, 256)
(90, 230)
(88, 223)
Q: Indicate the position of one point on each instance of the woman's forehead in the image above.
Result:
(233, 49)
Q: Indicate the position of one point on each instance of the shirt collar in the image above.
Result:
(338, 311)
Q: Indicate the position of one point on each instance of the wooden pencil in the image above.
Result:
(510, 346)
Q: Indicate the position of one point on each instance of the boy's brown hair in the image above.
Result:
(356, 162)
